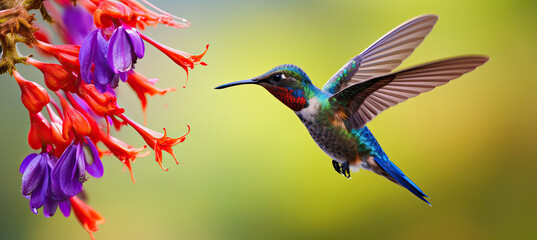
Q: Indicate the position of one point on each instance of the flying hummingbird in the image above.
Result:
(336, 115)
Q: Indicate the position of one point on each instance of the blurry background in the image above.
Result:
(249, 169)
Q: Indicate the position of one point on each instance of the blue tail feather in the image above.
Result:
(384, 162)
(400, 177)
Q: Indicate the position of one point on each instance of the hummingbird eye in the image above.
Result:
(277, 77)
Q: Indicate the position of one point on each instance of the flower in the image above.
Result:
(142, 16)
(103, 46)
(157, 141)
(70, 171)
(40, 132)
(35, 172)
(125, 47)
(93, 52)
(56, 76)
(183, 59)
(102, 104)
(33, 96)
(87, 216)
(73, 121)
(67, 55)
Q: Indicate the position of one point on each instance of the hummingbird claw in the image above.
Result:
(345, 170)
(336, 166)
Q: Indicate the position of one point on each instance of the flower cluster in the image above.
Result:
(71, 127)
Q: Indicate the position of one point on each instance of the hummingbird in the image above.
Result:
(336, 115)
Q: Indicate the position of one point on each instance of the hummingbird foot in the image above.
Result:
(343, 169)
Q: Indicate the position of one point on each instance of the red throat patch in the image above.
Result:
(291, 98)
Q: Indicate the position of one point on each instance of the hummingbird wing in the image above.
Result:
(384, 55)
(363, 101)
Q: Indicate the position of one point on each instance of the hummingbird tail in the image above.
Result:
(396, 175)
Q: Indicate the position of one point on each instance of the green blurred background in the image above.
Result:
(249, 169)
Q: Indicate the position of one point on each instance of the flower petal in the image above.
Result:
(33, 175)
(49, 209)
(81, 164)
(26, 161)
(64, 175)
(120, 51)
(94, 166)
(103, 74)
(40, 192)
(65, 207)
(87, 54)
(136, 42)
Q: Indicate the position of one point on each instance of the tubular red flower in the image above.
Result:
(155, 140)
(58, 140)
(183, 59)
(143, 16)
(40, 132)
(67, 55)
(87, 216)
(73, 120)
(56, 76)
(142, 86)
(102, 104)
(122, 151)
(33, 96)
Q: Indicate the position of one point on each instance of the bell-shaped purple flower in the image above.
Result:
(125, 47)
(93, 52)
(70, 171)
(35, 170)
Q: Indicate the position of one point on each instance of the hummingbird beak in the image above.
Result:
(249, 81)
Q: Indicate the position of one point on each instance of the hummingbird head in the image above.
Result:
(288, 83)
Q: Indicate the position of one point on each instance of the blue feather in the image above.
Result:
(384, 162)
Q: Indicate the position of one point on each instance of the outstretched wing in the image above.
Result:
(384, 55)
(362, 102)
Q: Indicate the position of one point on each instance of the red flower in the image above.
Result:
(73, 120)
(183, 59)
(57, 137)
(124, 152)
(143, 16)
(56, 76)
(33, 96)
(87, 216)
(102, 104)
(40, 132)
(157, 141)
(141, 85)
(67, 55)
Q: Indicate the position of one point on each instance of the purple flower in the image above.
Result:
(125, 47)
(36, 182)
(35, 172)
(93, 51)
(78, 23)
(70, 171)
